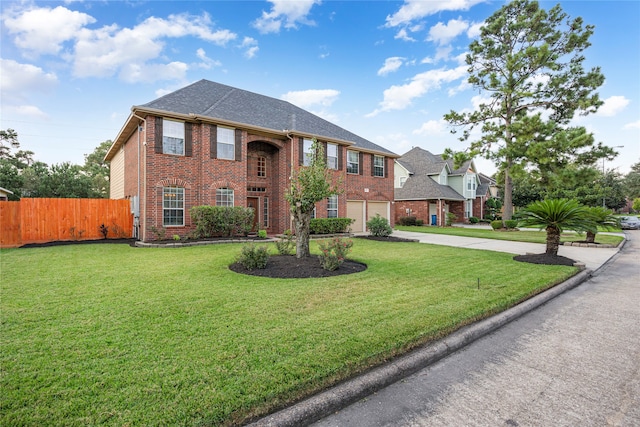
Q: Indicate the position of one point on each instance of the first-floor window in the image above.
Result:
(172, 206)
(224, 197)
(468, 212)
(332, 207)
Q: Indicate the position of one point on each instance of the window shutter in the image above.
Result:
(326, 155)
(387, 164)
(158, 135)
(238, 145)
(361, 163)
(301, 151)
(188, 139)
(373, 165)
(213, 142)
(339, 157)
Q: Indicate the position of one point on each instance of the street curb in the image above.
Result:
(329, 401)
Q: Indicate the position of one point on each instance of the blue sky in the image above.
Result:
(385, 70)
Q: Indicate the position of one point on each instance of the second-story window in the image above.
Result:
(226, 143)
(172, 137)
(332, 156)
(261, 164)
(353, 162)
(308, 152)
(378, 166)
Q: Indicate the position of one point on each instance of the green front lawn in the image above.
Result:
(114, 335)
(522, 235)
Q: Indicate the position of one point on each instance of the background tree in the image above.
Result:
(309, 185)
(98, 170)
(632, 182)
(8, 142)
(528, 61)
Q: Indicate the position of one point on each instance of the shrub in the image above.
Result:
(104, 230)
(474, 220)
(285, 243)
(419, 222)
(334, 252)
(379, 226)
(407, 220)
(329, 225)
(176, 237)
(212, 221)
(262, 234)
(253, 256)
(450, 218)
(511, 224)
(160, 233)
(497, 224)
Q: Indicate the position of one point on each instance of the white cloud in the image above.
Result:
(44, 30)
(612, 106)
(444, 33)
(306, 98)
(632, 125)
(474, 30)
(110, 49)
(390, 65)
(413, 10)
(19, 79)
(206, 62)
(432, 127)
(251, 45)
(442, 53)
(285, 12)
(26, 111)
(400, 97)
(404, 35)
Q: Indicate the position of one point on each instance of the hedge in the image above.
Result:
(214, 221)
(329, 225)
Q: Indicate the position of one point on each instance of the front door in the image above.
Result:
(252, 202)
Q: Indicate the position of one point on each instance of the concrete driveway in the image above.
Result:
(592, 258)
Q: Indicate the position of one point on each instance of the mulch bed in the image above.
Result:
(130, 242)
(290, 267)
(544, 259)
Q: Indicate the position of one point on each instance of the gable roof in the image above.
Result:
(421, 162)
(213, 101)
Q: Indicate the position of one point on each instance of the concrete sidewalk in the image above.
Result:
(592, 258)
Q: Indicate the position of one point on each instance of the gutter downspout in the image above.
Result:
(136, 221)
(288, 135)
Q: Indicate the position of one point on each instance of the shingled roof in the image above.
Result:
(207, 99)
(422, 164)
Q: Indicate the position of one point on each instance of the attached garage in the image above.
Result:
(355, 211)
(375, 208)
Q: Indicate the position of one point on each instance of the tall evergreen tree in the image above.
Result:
(527, 60)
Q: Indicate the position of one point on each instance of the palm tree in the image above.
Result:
(603, 218)
(555, 215)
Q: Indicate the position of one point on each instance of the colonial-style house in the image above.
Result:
(212, 144)
(428, 187)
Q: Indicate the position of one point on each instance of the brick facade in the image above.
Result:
(259, 175)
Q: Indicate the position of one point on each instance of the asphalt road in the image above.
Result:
(574, 361)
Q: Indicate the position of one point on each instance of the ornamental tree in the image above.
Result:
(309, 185)
(529, 63)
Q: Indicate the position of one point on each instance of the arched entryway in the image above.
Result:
(264, 194)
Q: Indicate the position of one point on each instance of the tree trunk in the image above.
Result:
(507, 213)
(553, 240)
(591, 237)
(301, 222)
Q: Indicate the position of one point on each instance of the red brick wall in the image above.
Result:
(200, 176)
(419, 209)
(457, 208)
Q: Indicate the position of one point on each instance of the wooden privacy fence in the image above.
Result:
(48, 220)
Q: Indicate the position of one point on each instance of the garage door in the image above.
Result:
(381, 208)
(355, 211)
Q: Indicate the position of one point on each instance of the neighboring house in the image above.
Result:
(4, 194)
(487, 189)
(428, 187)
(212, 144)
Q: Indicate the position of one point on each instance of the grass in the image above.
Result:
(114, 335)
(522, 235)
